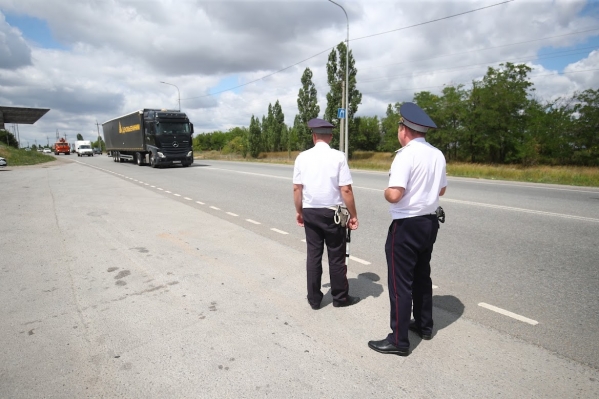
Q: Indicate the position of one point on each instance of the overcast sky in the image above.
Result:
(93, 60)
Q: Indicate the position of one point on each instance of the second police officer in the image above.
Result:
(416, 180)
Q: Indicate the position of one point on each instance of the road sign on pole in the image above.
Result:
(341, 113)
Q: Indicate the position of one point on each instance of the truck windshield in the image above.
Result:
(85, 146)
(168, 128)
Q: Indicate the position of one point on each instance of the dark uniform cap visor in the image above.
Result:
(320, 126)
(415, 118)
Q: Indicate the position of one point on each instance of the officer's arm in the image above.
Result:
(297, 197)
(348, 198)
(442, 191)
(394, 194)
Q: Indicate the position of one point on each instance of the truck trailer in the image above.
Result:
(150, 136)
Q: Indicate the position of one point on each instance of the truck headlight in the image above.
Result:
(161, 155)
(190, 153)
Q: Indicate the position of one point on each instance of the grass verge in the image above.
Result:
(381, 161)
(20, 157)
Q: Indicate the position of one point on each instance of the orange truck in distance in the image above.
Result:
(62, 146)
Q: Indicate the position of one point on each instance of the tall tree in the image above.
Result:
(79, 136)
(8, 138)
(278, 123)
(367, 135)
(254, 138)
(496, 114)
(389, 126)
(336, 75)
(307, 105)
(586, 126)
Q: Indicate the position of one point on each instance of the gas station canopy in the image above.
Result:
(20, 115)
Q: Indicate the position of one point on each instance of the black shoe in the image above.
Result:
(417, 330)
(387, 347)
(350, 300)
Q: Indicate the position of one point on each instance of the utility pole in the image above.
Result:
(342, 121)
(99, 142)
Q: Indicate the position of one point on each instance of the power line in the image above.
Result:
(482, 49)
(330, 48)
(434, 20)
(523, 59)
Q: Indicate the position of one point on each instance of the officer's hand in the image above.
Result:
(353, 223)
(299, 219)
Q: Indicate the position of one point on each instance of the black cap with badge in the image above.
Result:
(415, 118)
(320, 126)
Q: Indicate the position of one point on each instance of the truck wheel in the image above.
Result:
(153, 162)
(139, 159)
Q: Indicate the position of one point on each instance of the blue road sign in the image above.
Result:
(341, 113)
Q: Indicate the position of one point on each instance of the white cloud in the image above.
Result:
(119, 51)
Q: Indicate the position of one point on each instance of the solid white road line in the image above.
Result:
(252, 221)
(509, 208)
(232, 214)
(508, 313)
(279, 231)
(215, 208)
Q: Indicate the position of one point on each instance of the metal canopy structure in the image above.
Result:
(20, 115)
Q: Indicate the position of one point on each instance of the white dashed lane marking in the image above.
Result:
(232, 214)
(177, 195)
(201, 203)
(279, 231)
(508, 313)
(252, 221)
(187, 198)
(362, 261)
(160, 189)
(215, 208)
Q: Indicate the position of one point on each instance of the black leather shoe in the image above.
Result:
(417, 330)
(351, 300)
(387, 347)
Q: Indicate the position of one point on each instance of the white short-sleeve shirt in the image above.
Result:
(420, 168)
(321, 170)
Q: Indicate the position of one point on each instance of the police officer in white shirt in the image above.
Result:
(416, 180)
(321, 180)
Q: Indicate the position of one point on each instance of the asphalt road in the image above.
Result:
(527, 249)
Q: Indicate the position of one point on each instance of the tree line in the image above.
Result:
(498, 120)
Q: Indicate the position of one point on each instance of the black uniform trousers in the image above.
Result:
(320, 229)
(409, 248)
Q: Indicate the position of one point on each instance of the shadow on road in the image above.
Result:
(364, 286)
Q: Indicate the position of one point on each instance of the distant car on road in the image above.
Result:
(3, 162)
(97, 150)
(47, 151)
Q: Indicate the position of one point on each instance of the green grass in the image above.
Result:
(20, 157)
(381, 161)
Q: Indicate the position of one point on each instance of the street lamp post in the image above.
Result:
(346, 82)
(178, 92)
